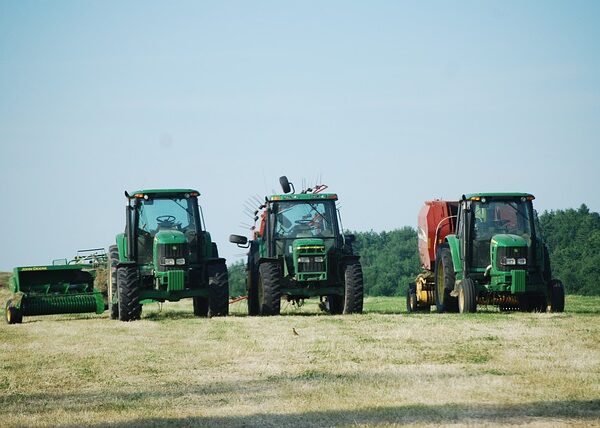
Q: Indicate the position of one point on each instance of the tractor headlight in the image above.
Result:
(169, 262)
(303, 259)
(319, 259)
(522, 261)
(508, 261)
(180, 261)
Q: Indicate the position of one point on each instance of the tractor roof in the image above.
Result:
(163, 192)
(303, 197)
(503, 195)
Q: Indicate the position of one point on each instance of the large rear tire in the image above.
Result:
(11, 314)
(269, 288)
(218, 290)
(444, 281)
(354, 293)
(113, 260)
(557, 296)
(128, 286)
(467, 300)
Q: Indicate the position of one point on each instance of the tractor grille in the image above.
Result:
(312, 265)
(510, 253)
(171, 251)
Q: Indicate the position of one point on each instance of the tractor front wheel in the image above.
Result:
(128, 287)
(467, 301)
(335, 304)
(218, 290)
(557, 296)
(269, 288)
(353, 279)
(252, 287)
(200, 306)
(12, 314)
(113, 260)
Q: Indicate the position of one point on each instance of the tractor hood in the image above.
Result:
(507, 240)
(169, 237)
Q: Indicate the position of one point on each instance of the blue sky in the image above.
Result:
(391, 103)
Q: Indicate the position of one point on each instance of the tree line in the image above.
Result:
(390, 259)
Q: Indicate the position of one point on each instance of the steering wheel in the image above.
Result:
(166, 220)
(304, 222)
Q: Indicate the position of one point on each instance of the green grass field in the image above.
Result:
(383, 368)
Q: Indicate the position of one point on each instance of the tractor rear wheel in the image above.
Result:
(467, 301)
(218, 290)
(113, 260)
(11, 314)
(335, 304)
(269, 288)
(444, 281)
(200, 306)
(354, 293)
(128, 288)
(557, 296)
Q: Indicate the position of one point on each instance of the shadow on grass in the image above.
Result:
(544, 412)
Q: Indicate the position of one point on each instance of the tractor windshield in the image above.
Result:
(158, 214)
(167, 213)
(305, 219)
(498, 217)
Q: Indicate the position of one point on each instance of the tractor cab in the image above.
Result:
(500, 226)
(304, 229)
(166, 228)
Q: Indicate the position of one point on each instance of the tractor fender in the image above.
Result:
(215, 261)
(454, 245)
(122, 247)
(350, 258)
(262, 260)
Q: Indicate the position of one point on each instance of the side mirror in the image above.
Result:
(238, 239)
(285, 184)
(350, 238)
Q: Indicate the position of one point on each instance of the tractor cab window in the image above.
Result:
(497, 217)
(164, 214)
(305, 219)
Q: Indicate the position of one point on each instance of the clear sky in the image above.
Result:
(389, 102)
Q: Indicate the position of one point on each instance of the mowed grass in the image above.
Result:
(304, 368)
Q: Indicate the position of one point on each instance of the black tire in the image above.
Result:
(444, 281)
(129, 290)
(252, 280)
(218, 290)
(200, 306)
(467, 300)
(354, 288)
(411, 300)
(113, 260)
(557, 296)
(335, 304)
(12, 315)
(269, 288)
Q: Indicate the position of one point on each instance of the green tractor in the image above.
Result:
(165, 254)
(298, 251)
(492, 254)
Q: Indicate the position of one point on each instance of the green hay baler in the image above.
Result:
(66, 288)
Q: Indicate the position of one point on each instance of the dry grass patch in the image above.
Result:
(379, 369)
